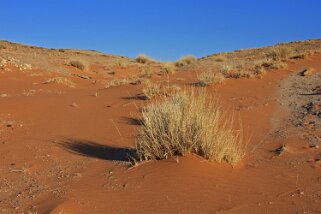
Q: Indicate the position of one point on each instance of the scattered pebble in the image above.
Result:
(3, 95)
(305, 72)
(314, 146)
(74, 105)
(279, 151)
(77, 175)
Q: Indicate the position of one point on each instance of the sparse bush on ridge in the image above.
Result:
(259, 71)
(220, 58)
(225, 69)
(168, 68)
(77, 64)
(274, 64)
(280, 53)
(185, 60)
(144, 59)
(189, 123)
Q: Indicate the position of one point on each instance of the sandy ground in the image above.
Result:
(65, 150)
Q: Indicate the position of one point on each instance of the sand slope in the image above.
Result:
(65, 150)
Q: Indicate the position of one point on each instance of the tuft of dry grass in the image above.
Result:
(272, 64)
(61, 80)
(145, 72)
(77, 64)
(208, 77)
(168, 68)
(259, 71)
(171, 89)
(189, 123)
(279, 53)
(118, 82)
(220, 58)
(151, 90)
(225, 69)
(144, 59)
(185, 60)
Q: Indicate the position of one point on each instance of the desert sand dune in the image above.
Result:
(69, 119)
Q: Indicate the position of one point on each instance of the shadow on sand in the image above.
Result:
(136, 97)
(95, 150)
(133, 121)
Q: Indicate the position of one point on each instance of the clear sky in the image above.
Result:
(162, 29)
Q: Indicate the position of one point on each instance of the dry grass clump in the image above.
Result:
(225, 69)
(77, 64)
(279, 53)
(61, 80)
(144, 59)
(185, 60)
(220, 58)
(151, 90)
(208, 77)
(259, 71)
(121, 81)
(270, 64)
(168, 68)
(145, 72)
(189, 123)
(171, 89)
(240, 74)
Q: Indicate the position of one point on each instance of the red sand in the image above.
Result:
(60, 155)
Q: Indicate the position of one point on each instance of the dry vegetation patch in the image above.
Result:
(144, 59)
(151, 90)
(279, 53)
(168, 68)
(61, 80)
(220, 58)
(185, 60)
(77, 64)
(189, 123)
(209, 77)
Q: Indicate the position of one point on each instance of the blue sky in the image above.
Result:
(163, 29)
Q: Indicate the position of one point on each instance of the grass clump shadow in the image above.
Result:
(189, 122)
